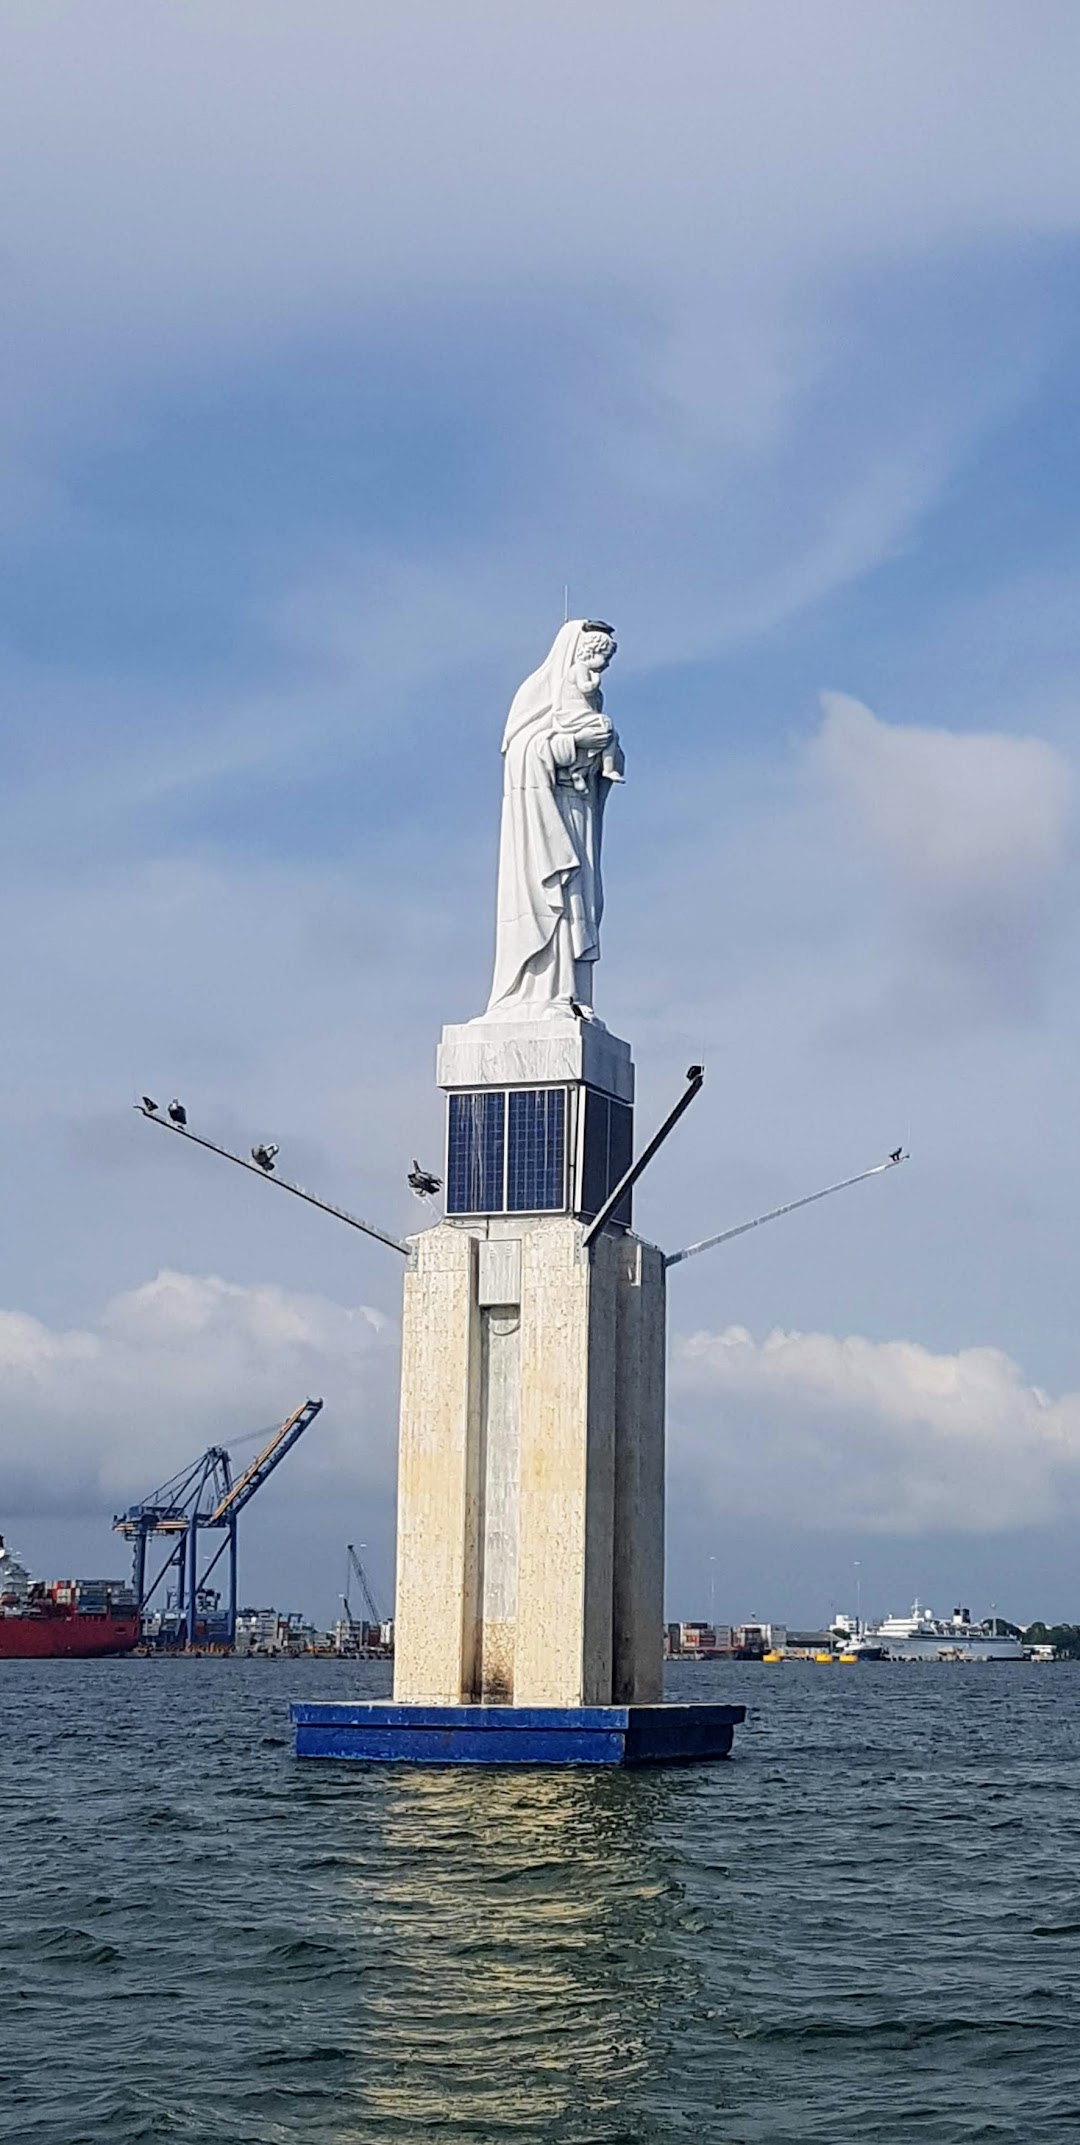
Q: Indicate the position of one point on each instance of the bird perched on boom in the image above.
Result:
(177, 1112)
(423, 1183)
(149, 1106)
(897, 1155)
(264, 1154)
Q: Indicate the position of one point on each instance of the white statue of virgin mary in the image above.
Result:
(560, 757)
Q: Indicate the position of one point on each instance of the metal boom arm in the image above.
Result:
(673, 1258)
(695, 1078)
(283, 1185)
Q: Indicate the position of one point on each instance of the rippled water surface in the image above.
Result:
(866, 1927)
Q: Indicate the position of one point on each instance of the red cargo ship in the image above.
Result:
(67, 1618)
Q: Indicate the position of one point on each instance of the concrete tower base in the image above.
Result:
(530, 1552)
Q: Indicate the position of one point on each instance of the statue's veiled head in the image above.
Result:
(576, 662)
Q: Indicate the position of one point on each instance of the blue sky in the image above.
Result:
(334, 347)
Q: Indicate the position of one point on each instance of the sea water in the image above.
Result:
(866, 1927)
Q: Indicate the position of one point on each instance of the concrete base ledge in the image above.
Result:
(386, 1734)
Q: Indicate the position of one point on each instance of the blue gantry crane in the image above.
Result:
(201, 1499)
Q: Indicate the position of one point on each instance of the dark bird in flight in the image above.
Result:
(177, 1112)
(897, 1155)
(148, 1104)
(695, 1072)
(264, 1154)
(423, 1183)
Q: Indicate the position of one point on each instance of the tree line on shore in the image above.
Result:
(1064, 1638)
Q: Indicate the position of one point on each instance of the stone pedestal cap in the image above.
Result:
(537, 1053)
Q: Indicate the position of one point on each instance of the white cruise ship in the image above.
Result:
(922, 1636)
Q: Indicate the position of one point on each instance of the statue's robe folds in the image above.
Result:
(550, 898)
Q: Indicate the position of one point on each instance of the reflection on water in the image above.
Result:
(525, 1923)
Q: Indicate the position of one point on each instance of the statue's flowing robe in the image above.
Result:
(549, 847)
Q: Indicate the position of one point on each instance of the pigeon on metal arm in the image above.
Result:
(423, 1183)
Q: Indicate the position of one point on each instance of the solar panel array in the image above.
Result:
(509, 1151)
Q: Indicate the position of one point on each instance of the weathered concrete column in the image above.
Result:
(566, 1515)
(499, 1295)
(435, 1624)
(531, 1486)
(640, 1389)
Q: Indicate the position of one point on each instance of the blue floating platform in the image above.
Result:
(380, 1733)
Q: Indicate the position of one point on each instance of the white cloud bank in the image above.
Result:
(801, 1429)
(99, 1415)
(968, 832)
(811, 1431)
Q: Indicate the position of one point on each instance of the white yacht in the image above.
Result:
(922, 1636)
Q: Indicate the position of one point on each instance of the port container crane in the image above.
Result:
(203, 1498)
(356, 1570)
(359, 1634)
